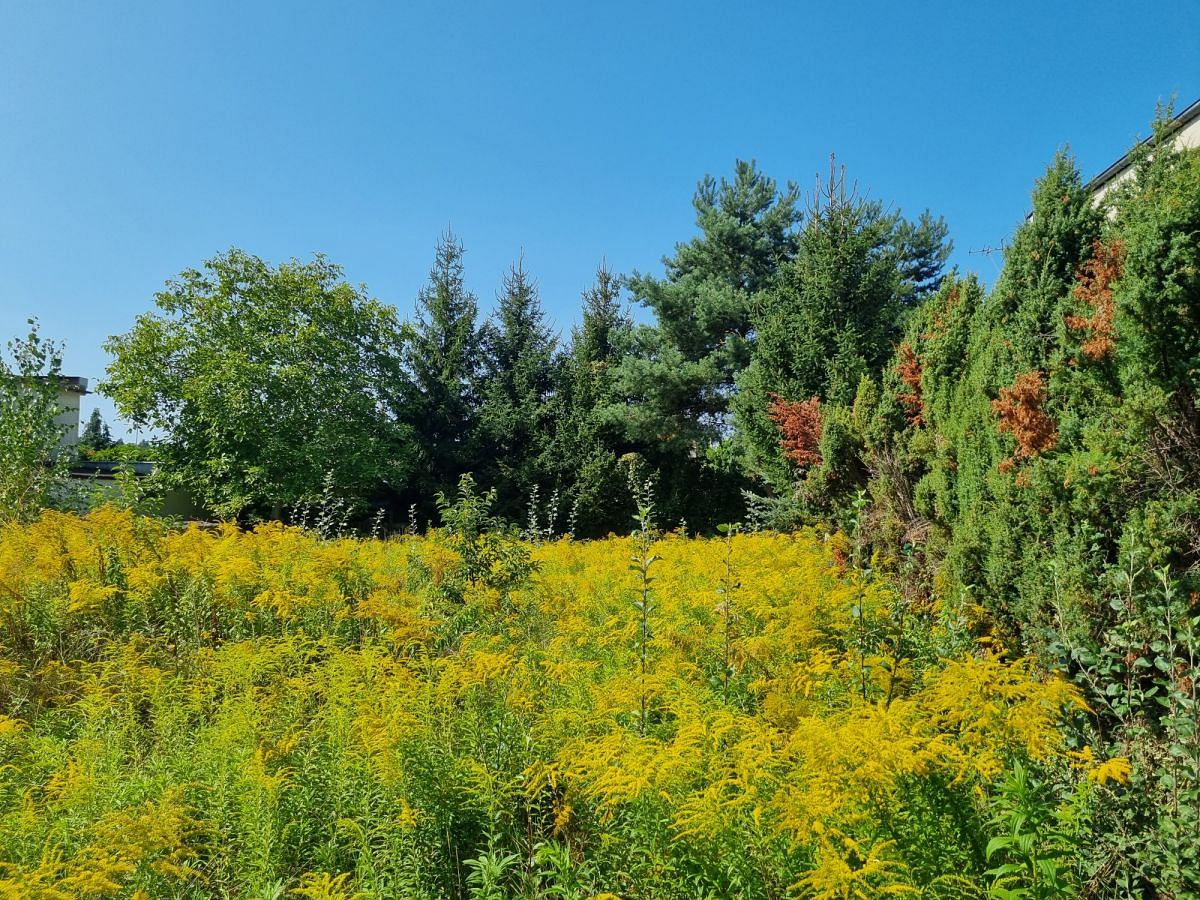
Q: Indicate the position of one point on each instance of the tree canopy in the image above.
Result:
(269, 384)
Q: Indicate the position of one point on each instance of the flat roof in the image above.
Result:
(72, 383)
(107, 469)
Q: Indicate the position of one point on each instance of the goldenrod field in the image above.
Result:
(194, 713)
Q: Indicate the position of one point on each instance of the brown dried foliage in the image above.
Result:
(909, 370)
(1095, 289)
(799, 423)
(1021, 413)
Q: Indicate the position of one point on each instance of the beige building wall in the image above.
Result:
(71, 390)
(1188, 136)
(68, 419)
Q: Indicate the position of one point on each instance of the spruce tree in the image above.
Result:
(96, 434)
(441, 361)
(516, 393)
(834, 314)
(587, 448)
(596, 341)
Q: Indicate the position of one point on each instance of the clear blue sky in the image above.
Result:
(139, 139)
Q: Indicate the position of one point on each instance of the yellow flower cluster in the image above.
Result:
(230, 709)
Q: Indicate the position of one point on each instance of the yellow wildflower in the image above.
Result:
(1117, 769)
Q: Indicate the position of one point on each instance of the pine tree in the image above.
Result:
(516, 392)
(440, 402)
(675, 382)
(679, 379)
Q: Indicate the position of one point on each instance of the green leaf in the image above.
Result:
(1001, 842)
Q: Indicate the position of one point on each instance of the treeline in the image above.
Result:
(277, 387)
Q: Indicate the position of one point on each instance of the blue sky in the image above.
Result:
(141, 138)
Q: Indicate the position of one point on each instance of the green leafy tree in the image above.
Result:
(516, 393)
(269, 383)
(32, 467)
(442, 361)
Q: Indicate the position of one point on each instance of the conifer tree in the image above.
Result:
(834, 314)
(96, 434)
(596, 341)
(516, 393)
(675, 382)
(1159, 312)
(443, 367)
(679, 378)
(1018, 335)
(1033, 295)
(586, 445)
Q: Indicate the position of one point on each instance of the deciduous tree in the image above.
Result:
(31, 464)
(272, 385)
